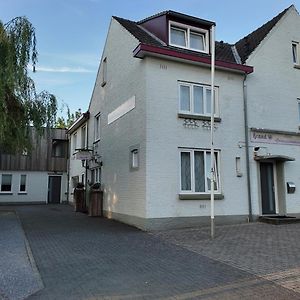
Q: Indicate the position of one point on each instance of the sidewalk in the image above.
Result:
(19, 277)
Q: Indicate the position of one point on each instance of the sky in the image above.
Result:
(71, 34)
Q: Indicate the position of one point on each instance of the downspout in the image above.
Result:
(250, 216)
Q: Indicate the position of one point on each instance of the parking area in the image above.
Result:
(93, 258)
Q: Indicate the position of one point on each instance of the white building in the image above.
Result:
(152, 102)
(38, 176)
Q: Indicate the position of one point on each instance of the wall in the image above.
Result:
(273, 90)
(124, 190)
(165, 133)
(36, 187)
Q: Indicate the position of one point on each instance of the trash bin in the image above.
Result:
(79, 197)
(96, 201)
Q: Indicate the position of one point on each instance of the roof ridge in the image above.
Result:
(246, 45)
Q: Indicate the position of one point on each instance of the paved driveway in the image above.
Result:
(91, 258)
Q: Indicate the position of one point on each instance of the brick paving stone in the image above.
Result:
(94, 258)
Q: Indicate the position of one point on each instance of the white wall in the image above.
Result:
(36, 187)
(273, 90)
(165, 133)
(124, 190)
(75, 165)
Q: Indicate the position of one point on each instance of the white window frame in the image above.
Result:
(192, 166)
(97, 127)
(11, 184)
(74, 142)
(298, 104)
(23, 192)
(84, 137)
(205, 88)
(188, 30)
(296, 46)
(135, 158)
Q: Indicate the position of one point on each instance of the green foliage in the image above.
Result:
(67, 122)
(20, 105)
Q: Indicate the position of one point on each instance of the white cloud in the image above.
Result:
(62, 69)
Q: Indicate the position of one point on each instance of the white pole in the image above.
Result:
(212, 156)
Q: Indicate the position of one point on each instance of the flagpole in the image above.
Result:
(212, 156)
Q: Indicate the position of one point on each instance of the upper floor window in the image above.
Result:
(195, 99)
(188, 37)
(59, 148)
(295, 52)
(74, 142)
(104, 72)
(195, 175)
(83, 137)
(97, 127)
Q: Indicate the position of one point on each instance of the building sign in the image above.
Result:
(274, 138)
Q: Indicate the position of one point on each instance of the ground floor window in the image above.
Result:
(6, 180)
(195, 171)
(22, 187)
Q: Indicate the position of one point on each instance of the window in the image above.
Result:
(195, 99)
(97, 128)
(195, 171)
(188, 37)
(135, 158)
(74, 144)
(58, 148)
(6, 182)
(104, 72)
(298, 103)
(22, 188)
(295, 46)
(83, 138)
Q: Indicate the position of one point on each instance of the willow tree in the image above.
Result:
(21, 107)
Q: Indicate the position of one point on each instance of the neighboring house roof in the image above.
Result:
(249, 43)
(223, 50)
(79, 122)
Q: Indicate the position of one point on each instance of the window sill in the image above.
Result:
(6, 193)
(297, 66)
(200, 196)
(103, 83)
(197, 117)
(22, 193)
(96, 141)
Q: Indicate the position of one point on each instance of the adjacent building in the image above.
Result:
(148, 129)
(38, 176)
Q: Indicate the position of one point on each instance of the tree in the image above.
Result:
(61, 122)
(20, 105)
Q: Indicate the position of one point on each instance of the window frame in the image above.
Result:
(20, 181)
(104, 72)
(61, 143)
(188, 29)
(192, 191)
(295, 45)
(205, 88)
(84, 137)
(97, 127)
(11, 183)
(74, 142)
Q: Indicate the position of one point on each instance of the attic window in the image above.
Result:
(188, 37)
(295, 53)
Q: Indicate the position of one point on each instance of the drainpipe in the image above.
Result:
(250, 216)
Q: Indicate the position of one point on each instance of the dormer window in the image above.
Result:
(188, 37)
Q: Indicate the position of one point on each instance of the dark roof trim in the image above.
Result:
(182, 16)
(142, 50)
(83, 118)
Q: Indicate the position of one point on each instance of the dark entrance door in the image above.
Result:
(267, 188)
(54, 187)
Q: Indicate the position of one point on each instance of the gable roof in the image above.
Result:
(223, 50)
(249, 43)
